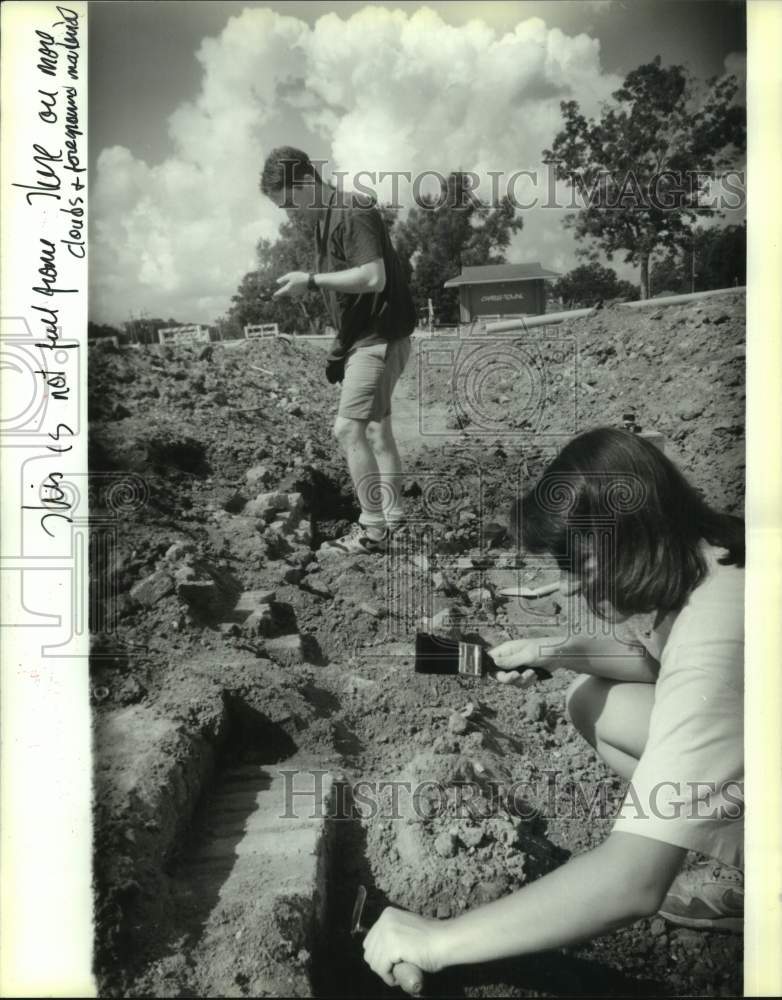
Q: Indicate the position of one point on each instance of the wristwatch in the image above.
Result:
(311, 283)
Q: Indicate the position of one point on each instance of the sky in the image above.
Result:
(187, 99)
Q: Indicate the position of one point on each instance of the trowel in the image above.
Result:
(407, 975)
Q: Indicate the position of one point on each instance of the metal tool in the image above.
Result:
(407, 975)
(543, 591)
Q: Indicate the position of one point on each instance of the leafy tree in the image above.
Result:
(589, 284)
(641, 169)
(667, 275)
(95, 331)
(715, 258)
(143, 330)
(447, 232)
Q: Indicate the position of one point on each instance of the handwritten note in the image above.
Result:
(54, 191)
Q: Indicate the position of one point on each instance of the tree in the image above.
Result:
(447, 232)
(589, 284)
(715, 258)
(96, 331)
(642, 169)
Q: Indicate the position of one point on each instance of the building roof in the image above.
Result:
(491, 273)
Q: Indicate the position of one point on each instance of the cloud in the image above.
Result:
(382, 90)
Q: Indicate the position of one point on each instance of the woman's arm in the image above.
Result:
(608, 657)
(624, 879)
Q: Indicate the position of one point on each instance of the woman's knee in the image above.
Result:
(584, 702)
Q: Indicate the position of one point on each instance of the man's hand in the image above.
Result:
(398, 936)
(294, 283)
(335, 371)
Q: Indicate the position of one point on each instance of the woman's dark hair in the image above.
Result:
(615, 511)
(285, 168)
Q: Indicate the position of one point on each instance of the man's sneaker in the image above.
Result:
(357, 542)
(709, 896)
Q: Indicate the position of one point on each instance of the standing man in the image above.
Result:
(369, 301)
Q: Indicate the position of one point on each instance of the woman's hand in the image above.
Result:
(519, 653)
(399, 936)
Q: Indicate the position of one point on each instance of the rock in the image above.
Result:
(235, 503)
(457, 724)
(261, 622)
(355, 683)
(445, 743)
(445, 845)
(482, 597)
(372, 609)
(293, 574)
(303, 532)
(152, 589)
(286, 649)
(443, 911)
(487, 892)
(658, 927)
(441, 582)
(317, 586)
(258, 475)
(251, 601)
(179, 551)
(445, 618)
(266, 503)
(201, 595)
(120, 412)
(471, 836)
(205, 354)
(689, 411)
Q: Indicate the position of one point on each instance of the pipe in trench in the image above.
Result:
(552, 319)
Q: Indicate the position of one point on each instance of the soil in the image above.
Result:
(218, 477)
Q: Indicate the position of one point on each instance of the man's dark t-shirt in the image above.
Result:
(353, 233)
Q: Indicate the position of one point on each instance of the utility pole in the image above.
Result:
(692, 268)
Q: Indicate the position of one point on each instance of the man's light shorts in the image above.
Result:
(370, 376)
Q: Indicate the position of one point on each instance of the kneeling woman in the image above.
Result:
(636, 539)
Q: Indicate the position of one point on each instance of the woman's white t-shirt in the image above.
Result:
(688, 786)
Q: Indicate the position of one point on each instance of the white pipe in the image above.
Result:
(552, 319)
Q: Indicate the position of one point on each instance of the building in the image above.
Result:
(501, 290)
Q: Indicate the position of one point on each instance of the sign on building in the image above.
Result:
(192, 334)
(261, 330)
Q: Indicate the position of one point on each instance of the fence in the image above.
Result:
(254, 330)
